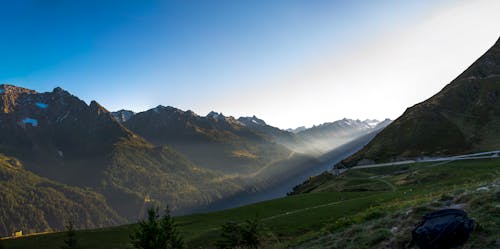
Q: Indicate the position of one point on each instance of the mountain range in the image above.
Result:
(62, 158)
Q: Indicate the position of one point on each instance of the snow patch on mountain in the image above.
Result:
(252, 121)
(123, 115)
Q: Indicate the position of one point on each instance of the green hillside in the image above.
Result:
(327, 209)
(32, 203)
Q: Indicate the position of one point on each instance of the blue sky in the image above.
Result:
(237, 57)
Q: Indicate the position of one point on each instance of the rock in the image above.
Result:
(482, 189)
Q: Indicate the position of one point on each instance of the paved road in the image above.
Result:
(474, 156)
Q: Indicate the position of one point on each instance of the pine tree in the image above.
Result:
(156, 233)
(70, 242)
(172, 238)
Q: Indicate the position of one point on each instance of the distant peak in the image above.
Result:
(60, 91)
(123, 110)
(253, 119)
(158, 108)
(296, 130)
(123, 115)
(215, 115)
(191, 113)
(15, 89)
(161, 108)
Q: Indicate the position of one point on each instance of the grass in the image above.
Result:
(361, 205)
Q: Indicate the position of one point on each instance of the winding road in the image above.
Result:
(474, 156)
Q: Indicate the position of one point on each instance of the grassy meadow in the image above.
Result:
(367, 208)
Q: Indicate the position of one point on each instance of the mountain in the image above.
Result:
(318, 140)
(119, 163)
(214, 141)
(325, 137)
(463, 117)
(58, 137)
(354, 145)
(286, 138)
(296, 130)
(123, 115)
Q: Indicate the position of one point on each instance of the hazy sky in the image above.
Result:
(288, 62)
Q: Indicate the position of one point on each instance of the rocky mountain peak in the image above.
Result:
(9, 96)
(97, 108)
(252, 121)
(11, 89)
(215, 115)
(123, 115)
(60, 92)
(161, 108)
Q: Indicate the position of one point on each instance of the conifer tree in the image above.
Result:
(156, 233)
(70, 242)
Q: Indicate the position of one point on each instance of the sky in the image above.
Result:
(289, 62)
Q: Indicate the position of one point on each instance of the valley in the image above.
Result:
(215, 169)
(326, 208)
(263, 124)
(163, 156)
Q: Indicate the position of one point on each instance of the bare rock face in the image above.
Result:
(123, 115)
(38, 127)
(9, 96)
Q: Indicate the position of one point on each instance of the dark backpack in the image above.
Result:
(443, 229)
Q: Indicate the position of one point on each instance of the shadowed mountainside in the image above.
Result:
(215, 142)
(57, 136)
(463, 117)
(31, 203)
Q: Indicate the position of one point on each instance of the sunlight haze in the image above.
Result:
(293, 66)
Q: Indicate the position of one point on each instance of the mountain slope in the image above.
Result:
(463, 117)
(31, 203)
(285, 138)
(214, 142)
(325, 137)
(317, 140)
(57, 136)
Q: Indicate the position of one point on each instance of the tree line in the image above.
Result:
(161, 232)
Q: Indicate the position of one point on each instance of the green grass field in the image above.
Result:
(333, 209)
